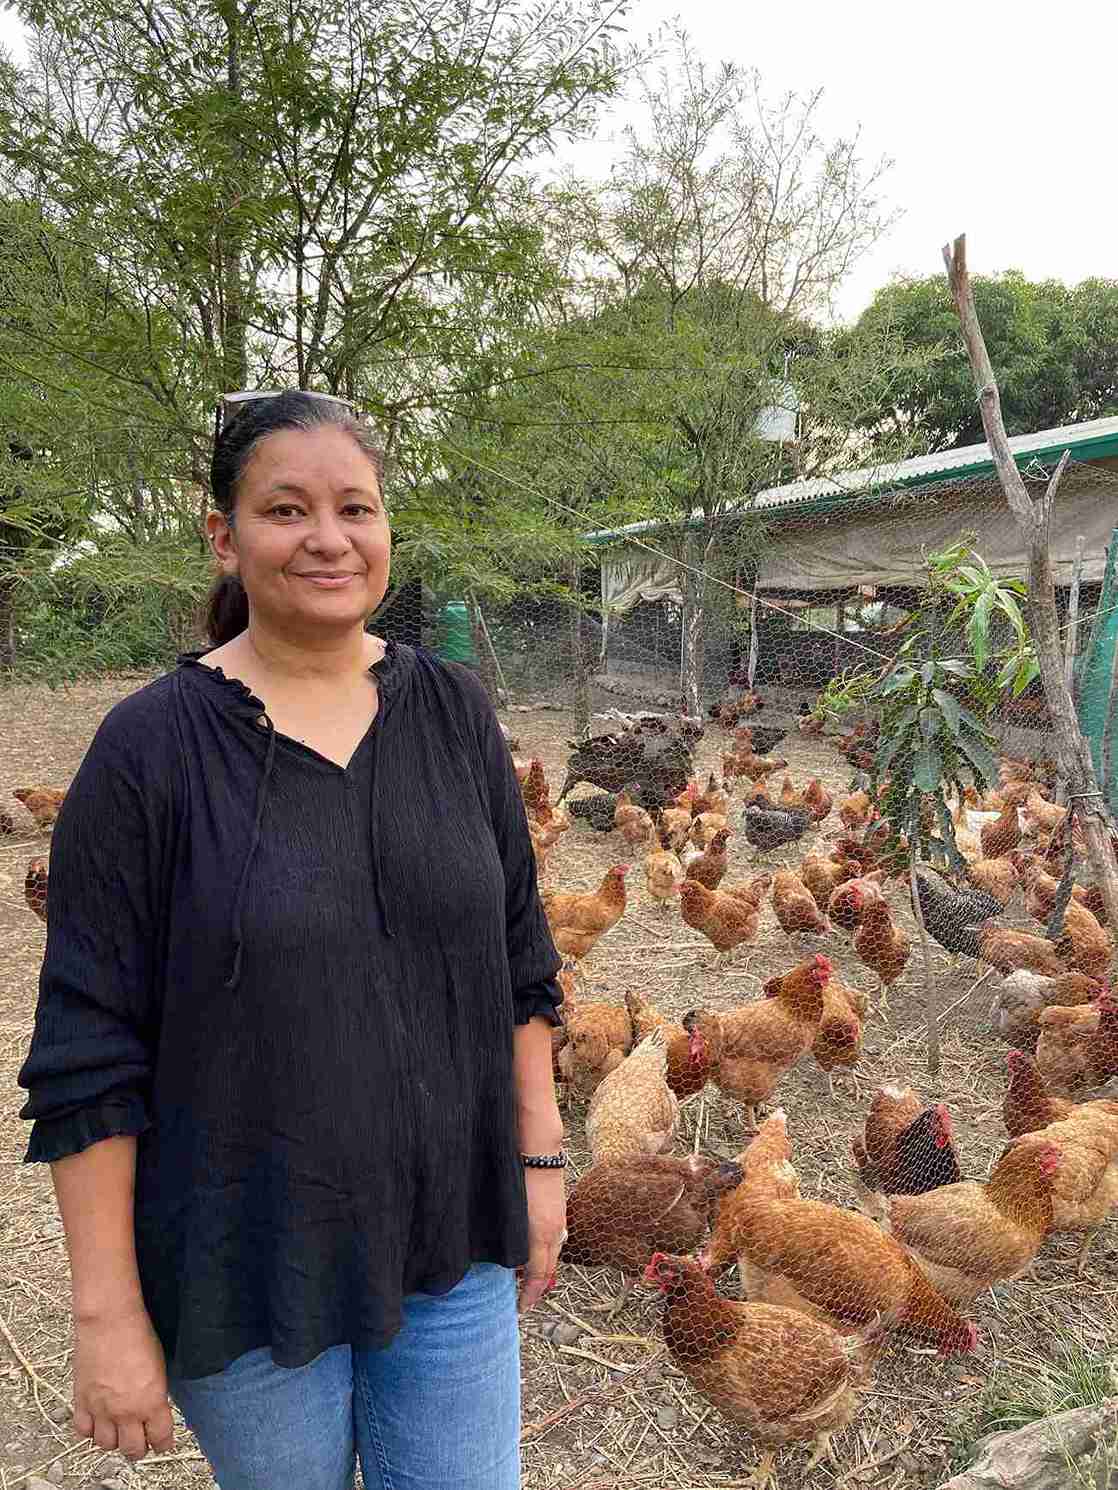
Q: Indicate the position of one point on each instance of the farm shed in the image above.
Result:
(861, 535)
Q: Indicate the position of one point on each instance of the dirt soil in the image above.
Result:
(603, 1407)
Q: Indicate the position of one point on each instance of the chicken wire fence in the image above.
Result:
(854, 1246)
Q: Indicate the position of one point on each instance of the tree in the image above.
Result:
(1053, 350)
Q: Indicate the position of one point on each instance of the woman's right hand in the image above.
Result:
(120, 1384)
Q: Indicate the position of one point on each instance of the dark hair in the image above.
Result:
(226, 610)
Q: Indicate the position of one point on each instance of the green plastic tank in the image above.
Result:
(454, 636)
(1098, 696)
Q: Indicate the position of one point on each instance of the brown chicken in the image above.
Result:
(834, 1266)
(795, 907)
(674, 824)
(753, 1046)
(42, 802)
(1085, 1188)
(634, 1112)
(634, 824)
(1040, 888)
(790, 797)
(1078, 1047)
(713, 799)
(1023, 995)
(783, 1377)
(663, 872)
(534, 788)
(35, 887)
(704, 827)
(577, 921)
(755, 767)
(708, 866)
(725, 919)
(846, 904)
(619, 1214)
(598, 1038)
(997, 877)
(548, 824)
(881, 944)
(1084, 945)
(1042, 816)
(823, 876)
(766, 1165)
(968, 1236)
(688, 1065)
(857, 811)
(1028, 1104)
(999, 837)
(839, 1041)
(1009, 951)
(818, 800)
(906, 1148)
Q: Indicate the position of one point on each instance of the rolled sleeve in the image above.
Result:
(88, 1071)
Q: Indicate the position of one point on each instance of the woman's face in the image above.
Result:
(310, 538)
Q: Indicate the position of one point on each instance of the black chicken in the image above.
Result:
(659, 764)
(597, 809)
(951, 916)
(770, 827)
(766, 737)
(923, 1157)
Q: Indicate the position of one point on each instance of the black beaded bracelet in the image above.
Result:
(545, 1161)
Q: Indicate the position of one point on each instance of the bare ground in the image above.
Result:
(603, 1408)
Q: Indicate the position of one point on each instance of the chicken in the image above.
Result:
(577, 921)
(705, 826)
(42, 802)
(599, 1037)
(1010, 951)
(999, 837)
(35, 887)
(951, 916)
(1012, 769)
(688, 1064)
(968, 1236)
(997, 878)
(766, 1165)
(845, 907)
(906, 1148)
(769, 828)
(1028, 1104)
(548, 824)
(783, 1377)
(839, 1041)
(755, 767)
(597, 809)
(823, 876)
(634, 1112)
(1083, 944)
(1022, 996)
(761, 738)
(1042, 816)
(881, 945)
(534, 788)
(790, 797)
(753, 1046)
(634, 823)
(1085, 1188)
(676, 823)
(663, 872)
(619, 1214)
(713, 799)
(818, 800)
(1078, 1047)
(708, 866)
(1041, 887)
(834, 1266)
(795, 907)
(726, 920)
(857, 811)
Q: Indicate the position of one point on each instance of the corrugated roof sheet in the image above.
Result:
(966, 460)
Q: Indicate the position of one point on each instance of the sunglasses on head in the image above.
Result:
(232, 404)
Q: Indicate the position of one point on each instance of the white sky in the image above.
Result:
(999, 115)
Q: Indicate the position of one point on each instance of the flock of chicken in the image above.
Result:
(824, 1287)
(42, 804)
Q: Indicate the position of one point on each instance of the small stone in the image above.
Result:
(61, 1412)
(56, 1474)
(36, 1482)
(667, 1416)
(566, 1332)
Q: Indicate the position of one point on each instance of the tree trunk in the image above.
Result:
(693, 586)
(483, 652)
(1073, 755)
(7, 621)
(579, 673)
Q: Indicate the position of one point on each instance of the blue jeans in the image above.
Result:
(438, 1409)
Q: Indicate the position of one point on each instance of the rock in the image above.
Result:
(60, 1412)
(1041, 1456)
(56, 1474)
(566, 1332)
(667, 1416)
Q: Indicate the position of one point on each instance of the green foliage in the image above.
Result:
(981, 600)
(1054, 351)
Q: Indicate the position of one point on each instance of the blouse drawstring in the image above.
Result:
(261, 802)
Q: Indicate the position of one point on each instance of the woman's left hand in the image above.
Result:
(547, 1221)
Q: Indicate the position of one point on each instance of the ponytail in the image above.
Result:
(226, 612)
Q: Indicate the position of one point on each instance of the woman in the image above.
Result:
(292, 1062)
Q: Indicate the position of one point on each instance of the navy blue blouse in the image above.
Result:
(297, 984)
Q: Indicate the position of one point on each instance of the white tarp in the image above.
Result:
(631, 574)
(885, 546)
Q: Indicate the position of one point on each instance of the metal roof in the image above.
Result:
(1094, 439)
